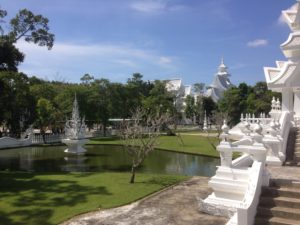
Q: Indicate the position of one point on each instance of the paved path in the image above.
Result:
(177, 205)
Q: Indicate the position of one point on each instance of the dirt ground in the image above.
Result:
(178, 205)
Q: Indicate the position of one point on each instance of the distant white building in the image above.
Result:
(220, 83)
(181, 92)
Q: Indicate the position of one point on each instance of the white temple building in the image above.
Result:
(220, 83)
(181, 92)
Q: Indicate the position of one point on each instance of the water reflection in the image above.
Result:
(103, 158)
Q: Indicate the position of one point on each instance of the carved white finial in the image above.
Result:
(205, 122)
(273, 103)
(278, 104)
(225, 127)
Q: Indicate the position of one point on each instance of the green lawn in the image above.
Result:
(193, 144)
(44, 199)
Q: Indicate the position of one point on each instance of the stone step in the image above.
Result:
(274, 221)
(280, 201)
(281, 212)
(292, 163)
(297, 154)
(285, 183)
(296, 158)
(281, 191)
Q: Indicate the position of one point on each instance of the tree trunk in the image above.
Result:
(132, 174)
(43, 133)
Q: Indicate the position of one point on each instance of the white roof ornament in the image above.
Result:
(220, 83)
(292, 16)
(285, 74)
(223, 68)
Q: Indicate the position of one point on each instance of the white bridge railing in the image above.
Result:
(237, 183)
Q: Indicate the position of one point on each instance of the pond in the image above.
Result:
(103, 158)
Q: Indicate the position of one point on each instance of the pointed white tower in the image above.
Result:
(285, 77)
(220, 83)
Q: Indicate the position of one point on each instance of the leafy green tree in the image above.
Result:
(10, 56)
(259, 100)
(137, 90)
(86, 79)
(232, 105)
(16, 102)
(45, 115)
(33, 28)
(160, 100)
(190, 107)
(199, 87)
(204, 104)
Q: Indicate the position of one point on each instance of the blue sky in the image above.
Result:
(161, 39)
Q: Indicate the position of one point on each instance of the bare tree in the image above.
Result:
(217, 119)
(140, 136)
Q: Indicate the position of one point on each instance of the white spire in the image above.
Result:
(222, 67)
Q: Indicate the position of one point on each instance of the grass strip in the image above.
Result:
(36, 198)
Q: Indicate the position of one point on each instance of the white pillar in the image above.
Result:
(287, 100)
(297, 103)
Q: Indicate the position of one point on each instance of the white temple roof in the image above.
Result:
(286, 74)
(174, 84)
(187, 90)
(220, 83)
(292, 17)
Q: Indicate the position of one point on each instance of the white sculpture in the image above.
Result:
(75, 132)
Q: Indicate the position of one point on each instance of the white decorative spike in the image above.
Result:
(205, 122)
(273, 103)
(225, 127)
(278, 104)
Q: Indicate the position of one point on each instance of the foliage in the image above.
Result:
(204, 105)
(159, 100)
(190, 107)
(199, 88)
(87, 79)
(10, 56)
(45, 115)
(53, 198)
(246, 99)
(33, 28)
(16, 103)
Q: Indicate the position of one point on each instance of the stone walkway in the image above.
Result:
(284, 172)
(177, 205)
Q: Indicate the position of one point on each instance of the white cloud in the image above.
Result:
(72, 60)
(126, 62)
(149, 6)
(257, 43)
(165, 60)
(156, 6)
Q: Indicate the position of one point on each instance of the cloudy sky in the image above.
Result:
(160, 39)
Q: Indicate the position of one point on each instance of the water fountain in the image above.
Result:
(75, 132)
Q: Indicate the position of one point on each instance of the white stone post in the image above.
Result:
(287, 100)
(225, 146)
(297, 103)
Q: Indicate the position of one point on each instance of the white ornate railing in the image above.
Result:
(247, 210)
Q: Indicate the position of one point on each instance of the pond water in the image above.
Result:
(103, 158)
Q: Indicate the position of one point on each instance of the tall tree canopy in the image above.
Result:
(33, 28)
